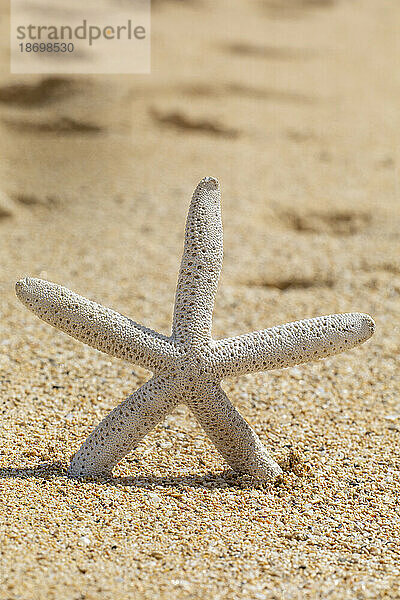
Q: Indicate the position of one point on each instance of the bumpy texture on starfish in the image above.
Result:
(189, 365)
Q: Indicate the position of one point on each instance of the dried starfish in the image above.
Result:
(189, 365)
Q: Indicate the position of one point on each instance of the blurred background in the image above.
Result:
(294, 106)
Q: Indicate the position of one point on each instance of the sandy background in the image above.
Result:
(294, 106)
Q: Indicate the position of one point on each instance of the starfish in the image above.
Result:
(188, 366)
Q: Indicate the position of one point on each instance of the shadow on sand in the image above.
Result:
(209, 480)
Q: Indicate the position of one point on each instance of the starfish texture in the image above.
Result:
(189, 365)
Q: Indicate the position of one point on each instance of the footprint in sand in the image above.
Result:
(335, 222)
(181, 121)
(7, 207)
(294, 283)
(11, 206)
(62, 125)
(36, 94)
(269, 52)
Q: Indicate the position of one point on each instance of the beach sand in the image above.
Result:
(293, 106)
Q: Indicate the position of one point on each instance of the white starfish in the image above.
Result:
(189, 365)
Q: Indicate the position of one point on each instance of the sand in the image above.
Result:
(293, 105)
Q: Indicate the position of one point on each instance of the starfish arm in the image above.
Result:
(95, 325)
(231, 434)
(121, 431)
(200, 267)
(291, 344)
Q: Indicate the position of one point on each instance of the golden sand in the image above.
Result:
(294, 107)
